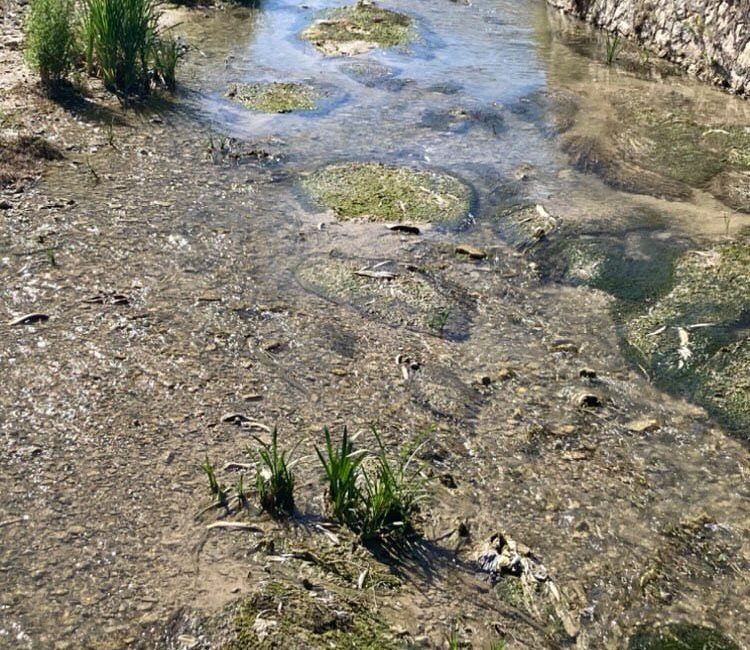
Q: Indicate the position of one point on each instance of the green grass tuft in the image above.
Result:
(50, 39)
(275, 478)
(342, 468)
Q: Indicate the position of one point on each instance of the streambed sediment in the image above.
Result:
(196, 296)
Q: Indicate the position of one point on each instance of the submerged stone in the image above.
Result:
(276, 97)
(378, 192)
(374, 75)
(680, 636)
(357, 29)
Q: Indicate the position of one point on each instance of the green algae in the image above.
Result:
(290, 617)
(410, 298)
(357, 29)
(378, 192)
(680, 636)
(275, 97)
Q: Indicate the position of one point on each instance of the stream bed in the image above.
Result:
(567, 336)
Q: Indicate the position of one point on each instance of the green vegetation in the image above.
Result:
(680, 636)
(50, 39)
(275, 478)
(118, 40)
(120, 36)
(614, 46)
(357, 29)
(218, 492)
(376, 192)
(286, 616)
(342, 468)
(276, 97)
(378, 502)
(390, 498)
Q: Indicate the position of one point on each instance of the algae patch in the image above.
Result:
(285, 616)
(393, 295)
(378, 192)
(680, 636)
(357, 29)
(276, 97)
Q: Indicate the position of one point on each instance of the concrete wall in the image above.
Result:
(709, 38)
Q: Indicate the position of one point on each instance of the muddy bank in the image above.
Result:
(709, 39)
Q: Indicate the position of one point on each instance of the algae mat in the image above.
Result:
(357, 29)
(275, 97)
(378, 192)
(392, 294)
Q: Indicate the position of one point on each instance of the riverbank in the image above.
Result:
(710, 40)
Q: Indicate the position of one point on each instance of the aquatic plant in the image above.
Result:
(375, 191)
(342, 468)
(50, 39)
(390, 497)
(123, 43)
(217, 490)
(275, 97)
(614, 46)
(274, 479)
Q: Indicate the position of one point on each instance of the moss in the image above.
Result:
(357, 29)
(410, 299)
(510, 590)
(289, 617)
(680, 636)
(275, 97)
(693, 338)
(385, 193)
(373, 75)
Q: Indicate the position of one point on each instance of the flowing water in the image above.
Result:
(231, 277)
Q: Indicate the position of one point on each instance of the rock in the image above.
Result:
(403, 227)
(564, 345)
(234, 418)
(187, 642)
(29, 319)
(252, 397)
(588, 400)
(643, 425)
(587, 373)
(472, 251)
(448, 481)
(485, 381)
(273, 345)
(5, 205)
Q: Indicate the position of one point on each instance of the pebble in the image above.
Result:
(588, 400)
(472, 251)
(643, 425)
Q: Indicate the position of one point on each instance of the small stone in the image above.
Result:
(588, 400)
(404, 227)
(564, 345)
(472, 251)
(252, 397)
(234, 418)
(187, 642)
(486, 381)
(643, 425)
(5, 205)
(587, 373)
(273, 345)
(448, 481)
(504, 374)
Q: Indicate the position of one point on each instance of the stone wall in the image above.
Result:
(709, 38)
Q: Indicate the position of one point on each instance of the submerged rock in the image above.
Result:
(378, 192)
(357, 29)
(276, 97)
(680, 636)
